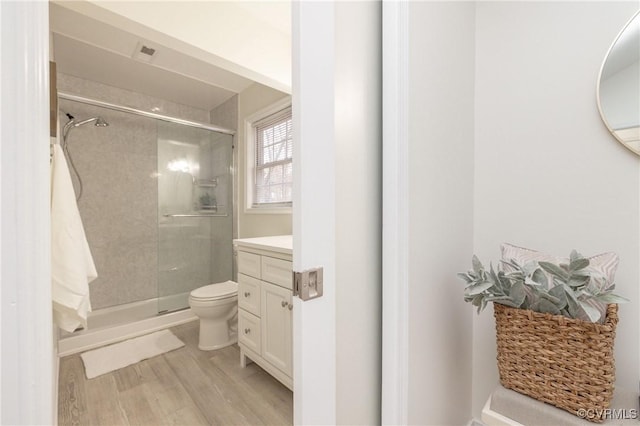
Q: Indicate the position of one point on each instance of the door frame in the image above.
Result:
(395, 232)
(27, 352)
(25, 299)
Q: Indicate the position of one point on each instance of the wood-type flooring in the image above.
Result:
(186, 386)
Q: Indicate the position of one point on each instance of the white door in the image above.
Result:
(337, 210)
(314, 346)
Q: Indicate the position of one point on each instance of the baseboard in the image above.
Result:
(491, 418)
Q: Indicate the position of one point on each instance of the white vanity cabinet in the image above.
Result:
(265, 287)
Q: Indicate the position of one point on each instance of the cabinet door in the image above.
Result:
(276, 327)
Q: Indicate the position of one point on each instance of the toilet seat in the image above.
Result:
(217, 291)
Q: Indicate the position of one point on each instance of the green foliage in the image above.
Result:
(563, 289)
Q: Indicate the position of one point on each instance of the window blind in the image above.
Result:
(273, 167)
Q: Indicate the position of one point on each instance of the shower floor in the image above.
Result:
(117, 323)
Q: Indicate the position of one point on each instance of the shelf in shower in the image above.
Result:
(210, 183)
(196, 215)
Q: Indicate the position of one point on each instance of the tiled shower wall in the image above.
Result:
(119, 205)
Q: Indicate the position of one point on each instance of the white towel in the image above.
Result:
(72, 267)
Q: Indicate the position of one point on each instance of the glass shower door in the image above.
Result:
(195, 217)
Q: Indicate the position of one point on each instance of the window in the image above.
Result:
(270, 149)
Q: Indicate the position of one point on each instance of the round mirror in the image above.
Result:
(619, 86)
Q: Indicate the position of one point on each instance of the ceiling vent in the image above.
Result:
(147, 50)
(144, 53)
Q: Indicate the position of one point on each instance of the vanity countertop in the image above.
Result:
(277, 243)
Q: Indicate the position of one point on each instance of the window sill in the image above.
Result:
(268, 210)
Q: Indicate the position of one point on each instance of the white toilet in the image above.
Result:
(217, 307)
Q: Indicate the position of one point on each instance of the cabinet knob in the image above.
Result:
(290, 306)
(247, 330)
(247, 294)
(284, 304)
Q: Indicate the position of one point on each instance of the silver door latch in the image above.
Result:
(307, 284)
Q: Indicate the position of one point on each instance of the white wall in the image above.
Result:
(506, 144)
(255, 98)
(547, 173)
(440, 117)
(358, 140)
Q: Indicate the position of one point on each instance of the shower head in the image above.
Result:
(72, 123)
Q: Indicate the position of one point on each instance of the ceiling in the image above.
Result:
(92, 49)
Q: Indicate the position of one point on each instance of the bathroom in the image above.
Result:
(159, 165)
(526, 74)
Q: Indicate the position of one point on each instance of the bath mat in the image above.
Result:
(110, 358)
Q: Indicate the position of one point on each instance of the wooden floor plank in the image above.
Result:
(129, 377)
(170, 392)
(72, 403)
(174, 406)
(172, 398)
(228, 359)
(246, 397)
(268, 392)
(103, 401)
(206, 394)
(139, 409)
(228, 382)
(187, 416)
(186, 386)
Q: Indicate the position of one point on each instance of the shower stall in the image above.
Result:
(156, 200)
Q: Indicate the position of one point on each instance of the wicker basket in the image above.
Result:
(558, 360)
